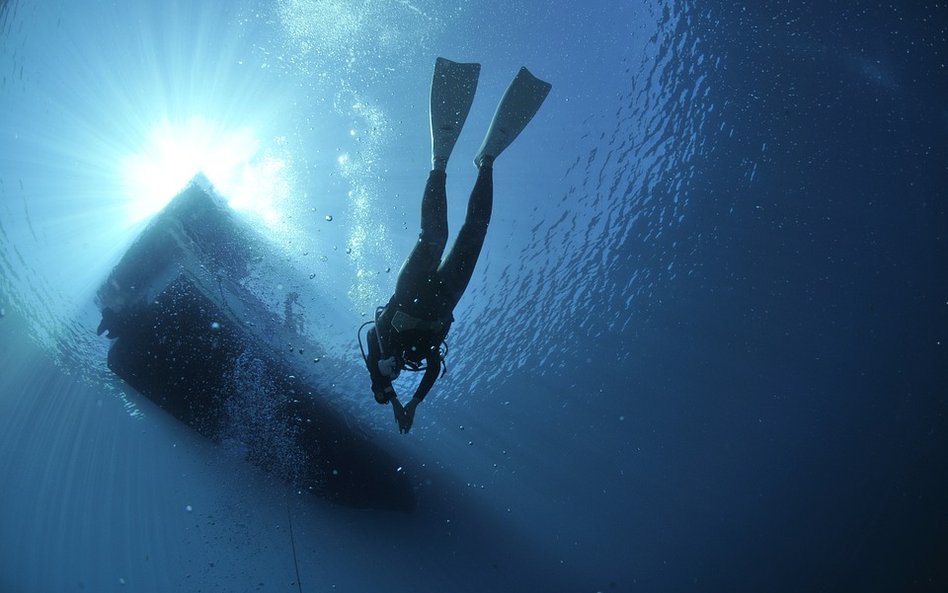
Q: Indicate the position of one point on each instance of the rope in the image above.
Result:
(296, 563)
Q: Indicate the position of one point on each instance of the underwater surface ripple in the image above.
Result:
(592, 265)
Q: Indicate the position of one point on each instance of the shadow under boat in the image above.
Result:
(189, 334)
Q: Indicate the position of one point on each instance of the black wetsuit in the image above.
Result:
(416, 319)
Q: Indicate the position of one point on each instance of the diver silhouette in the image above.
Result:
(409, 331)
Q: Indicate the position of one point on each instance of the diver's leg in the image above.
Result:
(426, 254)
(458, 267)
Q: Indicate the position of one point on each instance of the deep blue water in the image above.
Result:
(704, 348)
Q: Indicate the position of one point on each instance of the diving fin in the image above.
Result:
(452, 92)
(520, 103)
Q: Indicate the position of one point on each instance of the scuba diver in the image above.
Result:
(409, 331)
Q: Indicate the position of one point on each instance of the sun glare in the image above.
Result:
(240, 169)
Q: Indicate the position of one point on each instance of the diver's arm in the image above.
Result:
(407, 415)
(431, 375)
(375, 354)
(381, 385)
